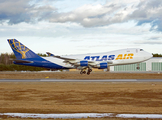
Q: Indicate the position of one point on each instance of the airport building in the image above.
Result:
(153, 64)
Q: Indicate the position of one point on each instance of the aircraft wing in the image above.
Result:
(66, 60)
(63, 58)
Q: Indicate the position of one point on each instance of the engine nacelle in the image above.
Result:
(102, 65)
(82, 63)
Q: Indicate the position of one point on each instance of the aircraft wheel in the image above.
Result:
(84, 72)
(81, 72)
(88, 73)
(90, 70)
(138, 68)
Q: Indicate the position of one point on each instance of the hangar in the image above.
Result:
(153, 64)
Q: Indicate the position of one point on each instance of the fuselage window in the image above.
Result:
(141, 50)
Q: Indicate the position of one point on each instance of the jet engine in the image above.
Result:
(82, 63)
(102, 65)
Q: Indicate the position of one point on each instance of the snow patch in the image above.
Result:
(81, 115)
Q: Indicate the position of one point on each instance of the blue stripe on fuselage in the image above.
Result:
(40, 62)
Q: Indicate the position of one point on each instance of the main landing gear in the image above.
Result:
(89, 71)
(83, 71)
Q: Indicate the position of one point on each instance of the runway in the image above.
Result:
(68, 80)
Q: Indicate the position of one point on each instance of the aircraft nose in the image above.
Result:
(151, 55)
(148, 55)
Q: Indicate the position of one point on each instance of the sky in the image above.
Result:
(65, 27)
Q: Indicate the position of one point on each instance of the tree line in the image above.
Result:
(157, 55)
(6, 63)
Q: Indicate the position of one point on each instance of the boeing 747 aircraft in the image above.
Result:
(83, 62)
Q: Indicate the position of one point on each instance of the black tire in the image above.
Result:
(88, 73)
(84, 72)
(138, 68)
(90, 70)
(81, 72)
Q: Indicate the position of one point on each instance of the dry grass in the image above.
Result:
(54, 97)
(76, 75)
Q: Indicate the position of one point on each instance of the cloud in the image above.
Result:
(87, 15)
(154, 38)
(13, 11)
(17, 11)
(150, 42)
(149, 11)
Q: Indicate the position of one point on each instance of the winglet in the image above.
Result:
(50, 54)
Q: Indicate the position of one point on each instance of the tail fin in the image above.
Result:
(20, 50)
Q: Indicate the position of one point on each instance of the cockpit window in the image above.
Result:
(141, 50)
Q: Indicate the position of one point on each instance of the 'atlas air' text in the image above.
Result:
(110, 57)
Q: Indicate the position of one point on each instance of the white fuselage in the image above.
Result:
(118, 57)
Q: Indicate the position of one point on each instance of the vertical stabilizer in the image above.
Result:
(20, 50)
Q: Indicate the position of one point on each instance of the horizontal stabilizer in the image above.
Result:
(22, 61)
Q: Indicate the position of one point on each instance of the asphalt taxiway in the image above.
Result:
(68, 80)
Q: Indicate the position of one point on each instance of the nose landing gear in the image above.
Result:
(138, 66)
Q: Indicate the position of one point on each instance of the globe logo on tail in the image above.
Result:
(18, 47)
